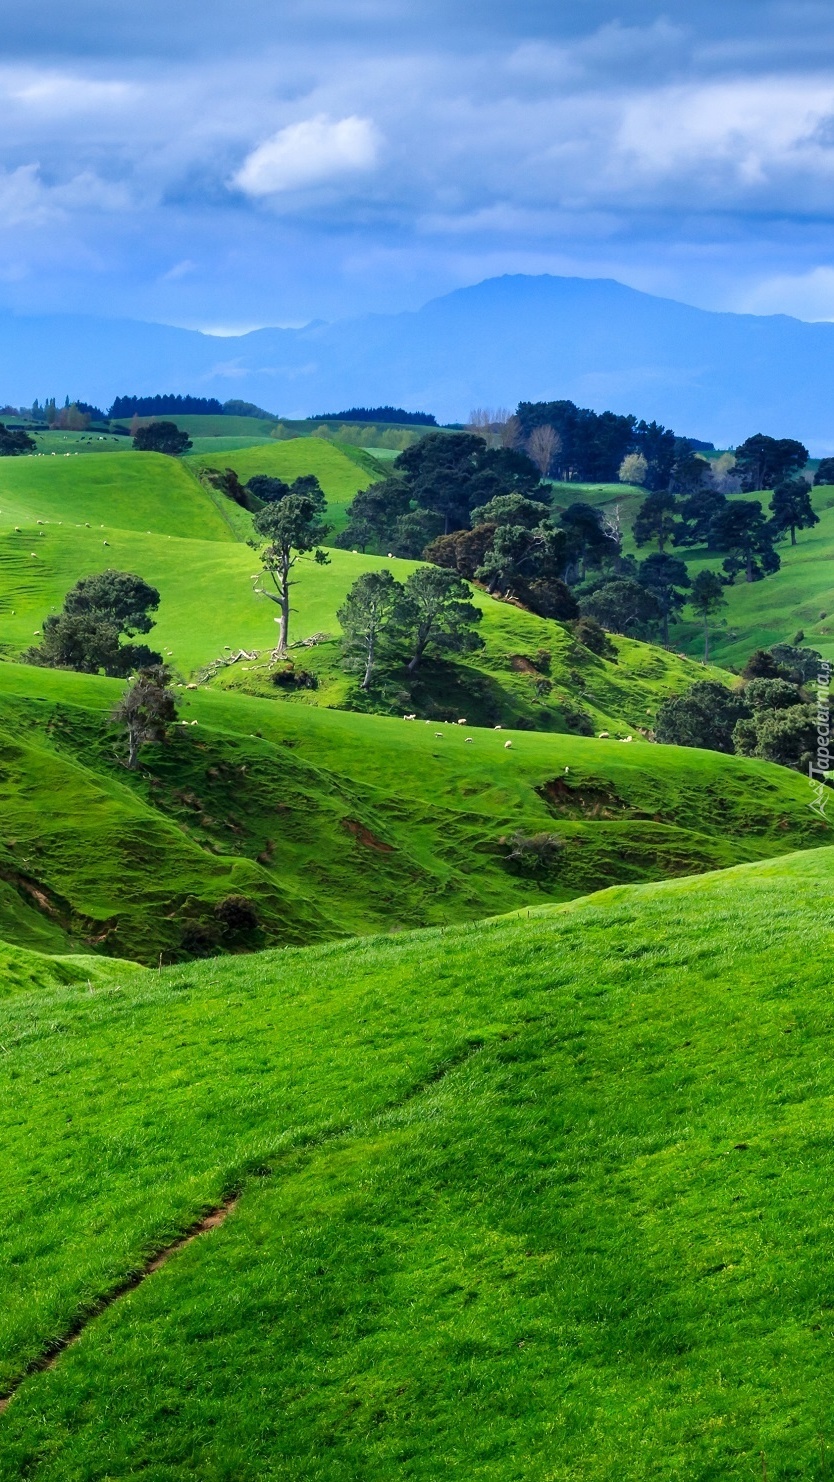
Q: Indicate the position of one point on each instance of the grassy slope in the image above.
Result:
(208, 605)
(340, 475)
(542, 1198)
(800, 595)
(336, 823)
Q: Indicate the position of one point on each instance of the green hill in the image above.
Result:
(547, 1197)
(334, 823)
(341, 473)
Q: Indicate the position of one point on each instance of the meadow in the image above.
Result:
(332, 823)
(546, 1197)
(492, 1139)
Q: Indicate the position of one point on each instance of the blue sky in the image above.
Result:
(225, 165)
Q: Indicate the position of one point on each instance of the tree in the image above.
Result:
(589, 541)
(771, 694)
(367, 616)
(761, 665)
(543, 444)
(697, 512)
(622, 605)
(763, 462)
(161, 437)
(437, 614)
(634, 469)
(791, 507)
(14, 441)
(801, 665)
(98, 612)
(739, 527)
(146, 709)
(463, 551)
(667, 578)
(291, 528)
(269, 490)
(690, 471)
(825, 471)
(657, 519)
(228, 484)
(438, 472)
(787, 736)
(373, 516)
(705, 716)
(706, 598)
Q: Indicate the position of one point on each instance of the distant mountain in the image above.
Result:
(713, 376)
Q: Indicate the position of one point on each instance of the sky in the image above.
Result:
(226, 166)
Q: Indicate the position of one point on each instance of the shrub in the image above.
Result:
(236, 915)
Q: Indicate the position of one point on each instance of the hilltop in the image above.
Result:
(514, 1199)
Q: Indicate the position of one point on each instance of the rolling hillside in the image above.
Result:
(516, 1200)
(332, 823)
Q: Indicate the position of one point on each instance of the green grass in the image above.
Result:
(547, 1197)
(340, 474)
(336, 823)
(126, 491)
(799, 595)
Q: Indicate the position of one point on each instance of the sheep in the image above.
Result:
(498, 728)
(507, 745)
(105, 542)
(438, 735)
(191, 686)
(605, 735)
(468, 740)
(626, 738)
(462, 722)
(409, 717)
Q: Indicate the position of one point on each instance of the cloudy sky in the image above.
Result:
(224, 164)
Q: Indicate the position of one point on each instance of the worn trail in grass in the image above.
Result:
(521, 1199)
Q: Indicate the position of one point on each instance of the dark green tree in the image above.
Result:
(162, 437)
(705, 716)
(369, 618)
(266, 488)
(622, 605)
(146, 710)
(437, 614)
(463, 551)
(740, 527)
(290, 529)
(657, 519)
(800, 665)
(706, 598)
(787, 736)
(373, 516)
(98, 612)
(763, 462)
(791, 507)
(697, 512)
(667, 578)
(825, 471)
(14, 441)
(589, 542)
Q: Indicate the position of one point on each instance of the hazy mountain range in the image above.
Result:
(708, 375)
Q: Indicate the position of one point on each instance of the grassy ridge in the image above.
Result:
(336, 823)
(341, 475)
(519, 1200)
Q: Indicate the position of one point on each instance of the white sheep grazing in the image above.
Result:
(604, 735)
(498, 728)
(626, 738)
(438, 735)
(468, 740)
(507, 745)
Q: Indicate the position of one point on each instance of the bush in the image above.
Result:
(590, 633)
(236, 915)
(532, 854)
(287, 677)
(705, 717)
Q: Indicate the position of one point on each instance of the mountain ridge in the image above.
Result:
(711, 374)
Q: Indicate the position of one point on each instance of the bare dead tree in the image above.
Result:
(542, 446)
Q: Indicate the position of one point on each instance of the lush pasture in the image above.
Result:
(340, 476)
(334, 823)
(547, 1197)
(125, 491)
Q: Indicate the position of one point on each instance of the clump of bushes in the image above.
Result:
(288, 677)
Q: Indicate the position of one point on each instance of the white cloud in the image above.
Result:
(805, 295)
(307, 153)
(57, 93)
(26, 200)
